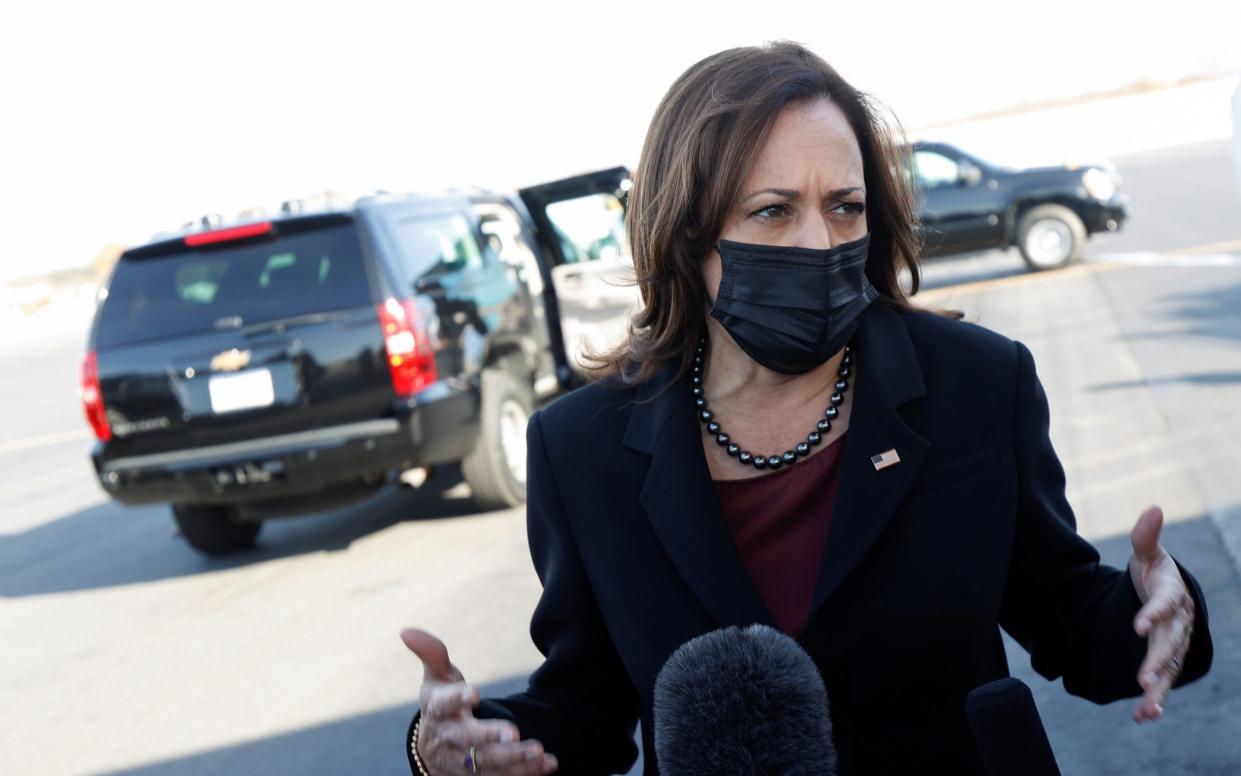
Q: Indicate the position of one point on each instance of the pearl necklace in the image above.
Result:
(801, 450)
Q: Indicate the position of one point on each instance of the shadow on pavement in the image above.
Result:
(947, 271)
(107, 545)
(1197, 735)
(1213, 313)
(1205, 378)
(369, 743)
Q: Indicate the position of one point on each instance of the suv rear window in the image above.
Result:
(194, 291)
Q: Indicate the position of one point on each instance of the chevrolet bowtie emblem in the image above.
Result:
(885, 459)
(230, 360)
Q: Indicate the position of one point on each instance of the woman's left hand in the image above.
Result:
(1166, 618)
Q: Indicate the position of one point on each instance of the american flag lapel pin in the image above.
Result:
(885, 459)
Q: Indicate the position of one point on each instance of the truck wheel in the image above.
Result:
(496, 470)
(215, 530)
(1050, 236)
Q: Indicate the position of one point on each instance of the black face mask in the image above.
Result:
(790, 309)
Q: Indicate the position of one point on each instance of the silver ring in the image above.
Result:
(471, 760)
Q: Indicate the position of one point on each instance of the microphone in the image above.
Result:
(1008, 730)
(742, 702)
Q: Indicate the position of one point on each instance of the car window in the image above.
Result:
(506, 236)
(935, 169)
(190, 291)
(590, 228)
(435, 245)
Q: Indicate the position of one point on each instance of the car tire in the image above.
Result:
(1050, 237)
(215, 530)
(496, 470)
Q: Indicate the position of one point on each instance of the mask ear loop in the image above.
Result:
(708, 293)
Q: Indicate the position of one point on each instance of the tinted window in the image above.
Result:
(184, 293)
(435, 245)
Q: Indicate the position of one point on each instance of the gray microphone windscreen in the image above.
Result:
(742, 702)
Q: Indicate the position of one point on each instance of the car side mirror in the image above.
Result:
(968, 174)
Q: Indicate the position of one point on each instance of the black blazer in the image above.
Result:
(925, 562)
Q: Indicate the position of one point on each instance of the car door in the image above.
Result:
(468, 297)
(508, 237)
(960, 210)
(580, 223)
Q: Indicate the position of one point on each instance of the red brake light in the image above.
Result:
(226, 235)
(410, 359)
(92, 398)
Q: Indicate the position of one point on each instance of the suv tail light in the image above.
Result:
(92, 398)
(410, 360)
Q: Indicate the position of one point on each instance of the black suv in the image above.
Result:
(288, 365)
(1047, 212)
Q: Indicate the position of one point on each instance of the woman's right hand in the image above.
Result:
(448, 728)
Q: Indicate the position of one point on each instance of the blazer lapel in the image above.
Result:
(888, 375)
(682, 506)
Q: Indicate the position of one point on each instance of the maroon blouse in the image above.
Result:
(779, 522)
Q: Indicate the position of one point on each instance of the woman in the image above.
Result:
(785, 439)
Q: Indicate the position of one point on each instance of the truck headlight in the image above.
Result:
(1099, 184)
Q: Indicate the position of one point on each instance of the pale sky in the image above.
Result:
(121, 119)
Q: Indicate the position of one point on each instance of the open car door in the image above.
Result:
(589, 284)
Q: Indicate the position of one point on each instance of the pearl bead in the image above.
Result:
(722, 439)
(814, 438)
(696, 390)
(831, 413)
(824, 426)
(733, 450)
(760, 462)
(842, 386)
(696, 379)
(802, 448)
(744, 456)
(837, 398)
(843, 371)
(774, 462)
(713, 427)
(706, 415)
(790, 456)
(700, 403)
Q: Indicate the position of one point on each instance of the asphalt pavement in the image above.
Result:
(125, 652)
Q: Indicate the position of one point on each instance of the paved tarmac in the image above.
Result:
(1142, 366)
(124, 652)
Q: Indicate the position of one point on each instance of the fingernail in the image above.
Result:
(1143, 626)
(1158, 710)
(533, 754)
(508, 735)
(1151, 678)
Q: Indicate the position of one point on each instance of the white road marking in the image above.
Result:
(1154, 259)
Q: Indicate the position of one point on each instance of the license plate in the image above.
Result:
(243, 391)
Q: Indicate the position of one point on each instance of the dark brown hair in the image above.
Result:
(703, 140)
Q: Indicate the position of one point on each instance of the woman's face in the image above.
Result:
(806, 189)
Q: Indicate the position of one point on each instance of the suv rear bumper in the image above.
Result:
(437, 427)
